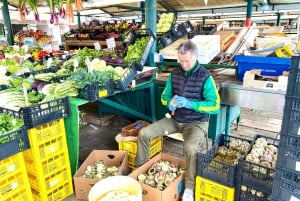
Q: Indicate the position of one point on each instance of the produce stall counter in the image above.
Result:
(233, 93)
(76, 44)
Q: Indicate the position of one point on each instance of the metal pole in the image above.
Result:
(249, 13)
(78, 20)
(278, 19)
(150, 16)
(7, 22)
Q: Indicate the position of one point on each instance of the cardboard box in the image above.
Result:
(208, 47)
(110, 158)
(134, 128)
(269, 82)
(173, 192)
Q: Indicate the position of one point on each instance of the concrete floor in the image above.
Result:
(100, 134)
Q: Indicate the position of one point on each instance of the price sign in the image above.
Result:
(97, 46)
(111, 43)
(88, 63)
(75, 63)
(49, 62)
(25, 48)
(22, 71)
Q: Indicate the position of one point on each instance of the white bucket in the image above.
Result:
(115, 183)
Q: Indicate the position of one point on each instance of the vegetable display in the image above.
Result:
(136, 50)
(99, 170)
(161, 174)
(8, 123)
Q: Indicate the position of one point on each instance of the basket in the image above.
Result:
(256, 176)
(13, 142)
(42, 113)
(167, 39)
(126, 78)
(179, 31)
(134, 128)
(93, 92)
(217, 170)
(286, 185)
(139, 65)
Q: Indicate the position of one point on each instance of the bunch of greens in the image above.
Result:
(8, 123)
(83, 78)
(136, 50)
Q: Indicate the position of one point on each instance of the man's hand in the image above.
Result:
(182, 102)
(172, 106)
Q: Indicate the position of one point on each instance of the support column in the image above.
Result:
(150, 19)
(78, 20)
(7, 23)
(278, 19)
(249, 13)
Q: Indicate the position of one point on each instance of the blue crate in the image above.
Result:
(42, 113)
(178, 31)
(269, 66)
(167, 39)
(93, 92)
(293, 88)
(216, 170)
(126, 78)
(286, 185)
(291, 116)
(13, 143)
(289, 152)
(251, 192)
(188, 26)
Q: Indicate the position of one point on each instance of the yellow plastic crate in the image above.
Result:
(11, 165)
(131, 148)
(44, 133)
(43, 151)
(207, 190)
(13, 185)
(22, 194)
(60, 193)
(47, 184)
(48, 165)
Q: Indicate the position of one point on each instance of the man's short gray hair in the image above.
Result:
(188, 46)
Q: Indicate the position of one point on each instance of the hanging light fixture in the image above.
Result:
(205, 2)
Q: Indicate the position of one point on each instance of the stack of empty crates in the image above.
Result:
(14, 183)
(286, 186)
(47, 162)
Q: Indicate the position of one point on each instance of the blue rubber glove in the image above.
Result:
(171, 107)
(182, 102)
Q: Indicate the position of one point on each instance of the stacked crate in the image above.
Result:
(286, 183)
(14, 184)
(254, 180)
(47, 162)
(216, 178)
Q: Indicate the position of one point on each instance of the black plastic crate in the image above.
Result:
(245, 192)
(203, 30)
(293, 88)
(257, 175)
(2, 87)
(13, 142)
(291, 116)
(289, 151)
(42, 113)
(167, 39)
(286, 185)
(139, 65)
(188, 26)
(178, 31)
(93, 92)
(216, 170)
(126, 78)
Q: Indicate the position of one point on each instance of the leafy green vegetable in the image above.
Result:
(8, 123)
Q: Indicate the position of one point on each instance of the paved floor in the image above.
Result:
(96, 134)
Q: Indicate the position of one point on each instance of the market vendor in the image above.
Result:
(191, 96)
